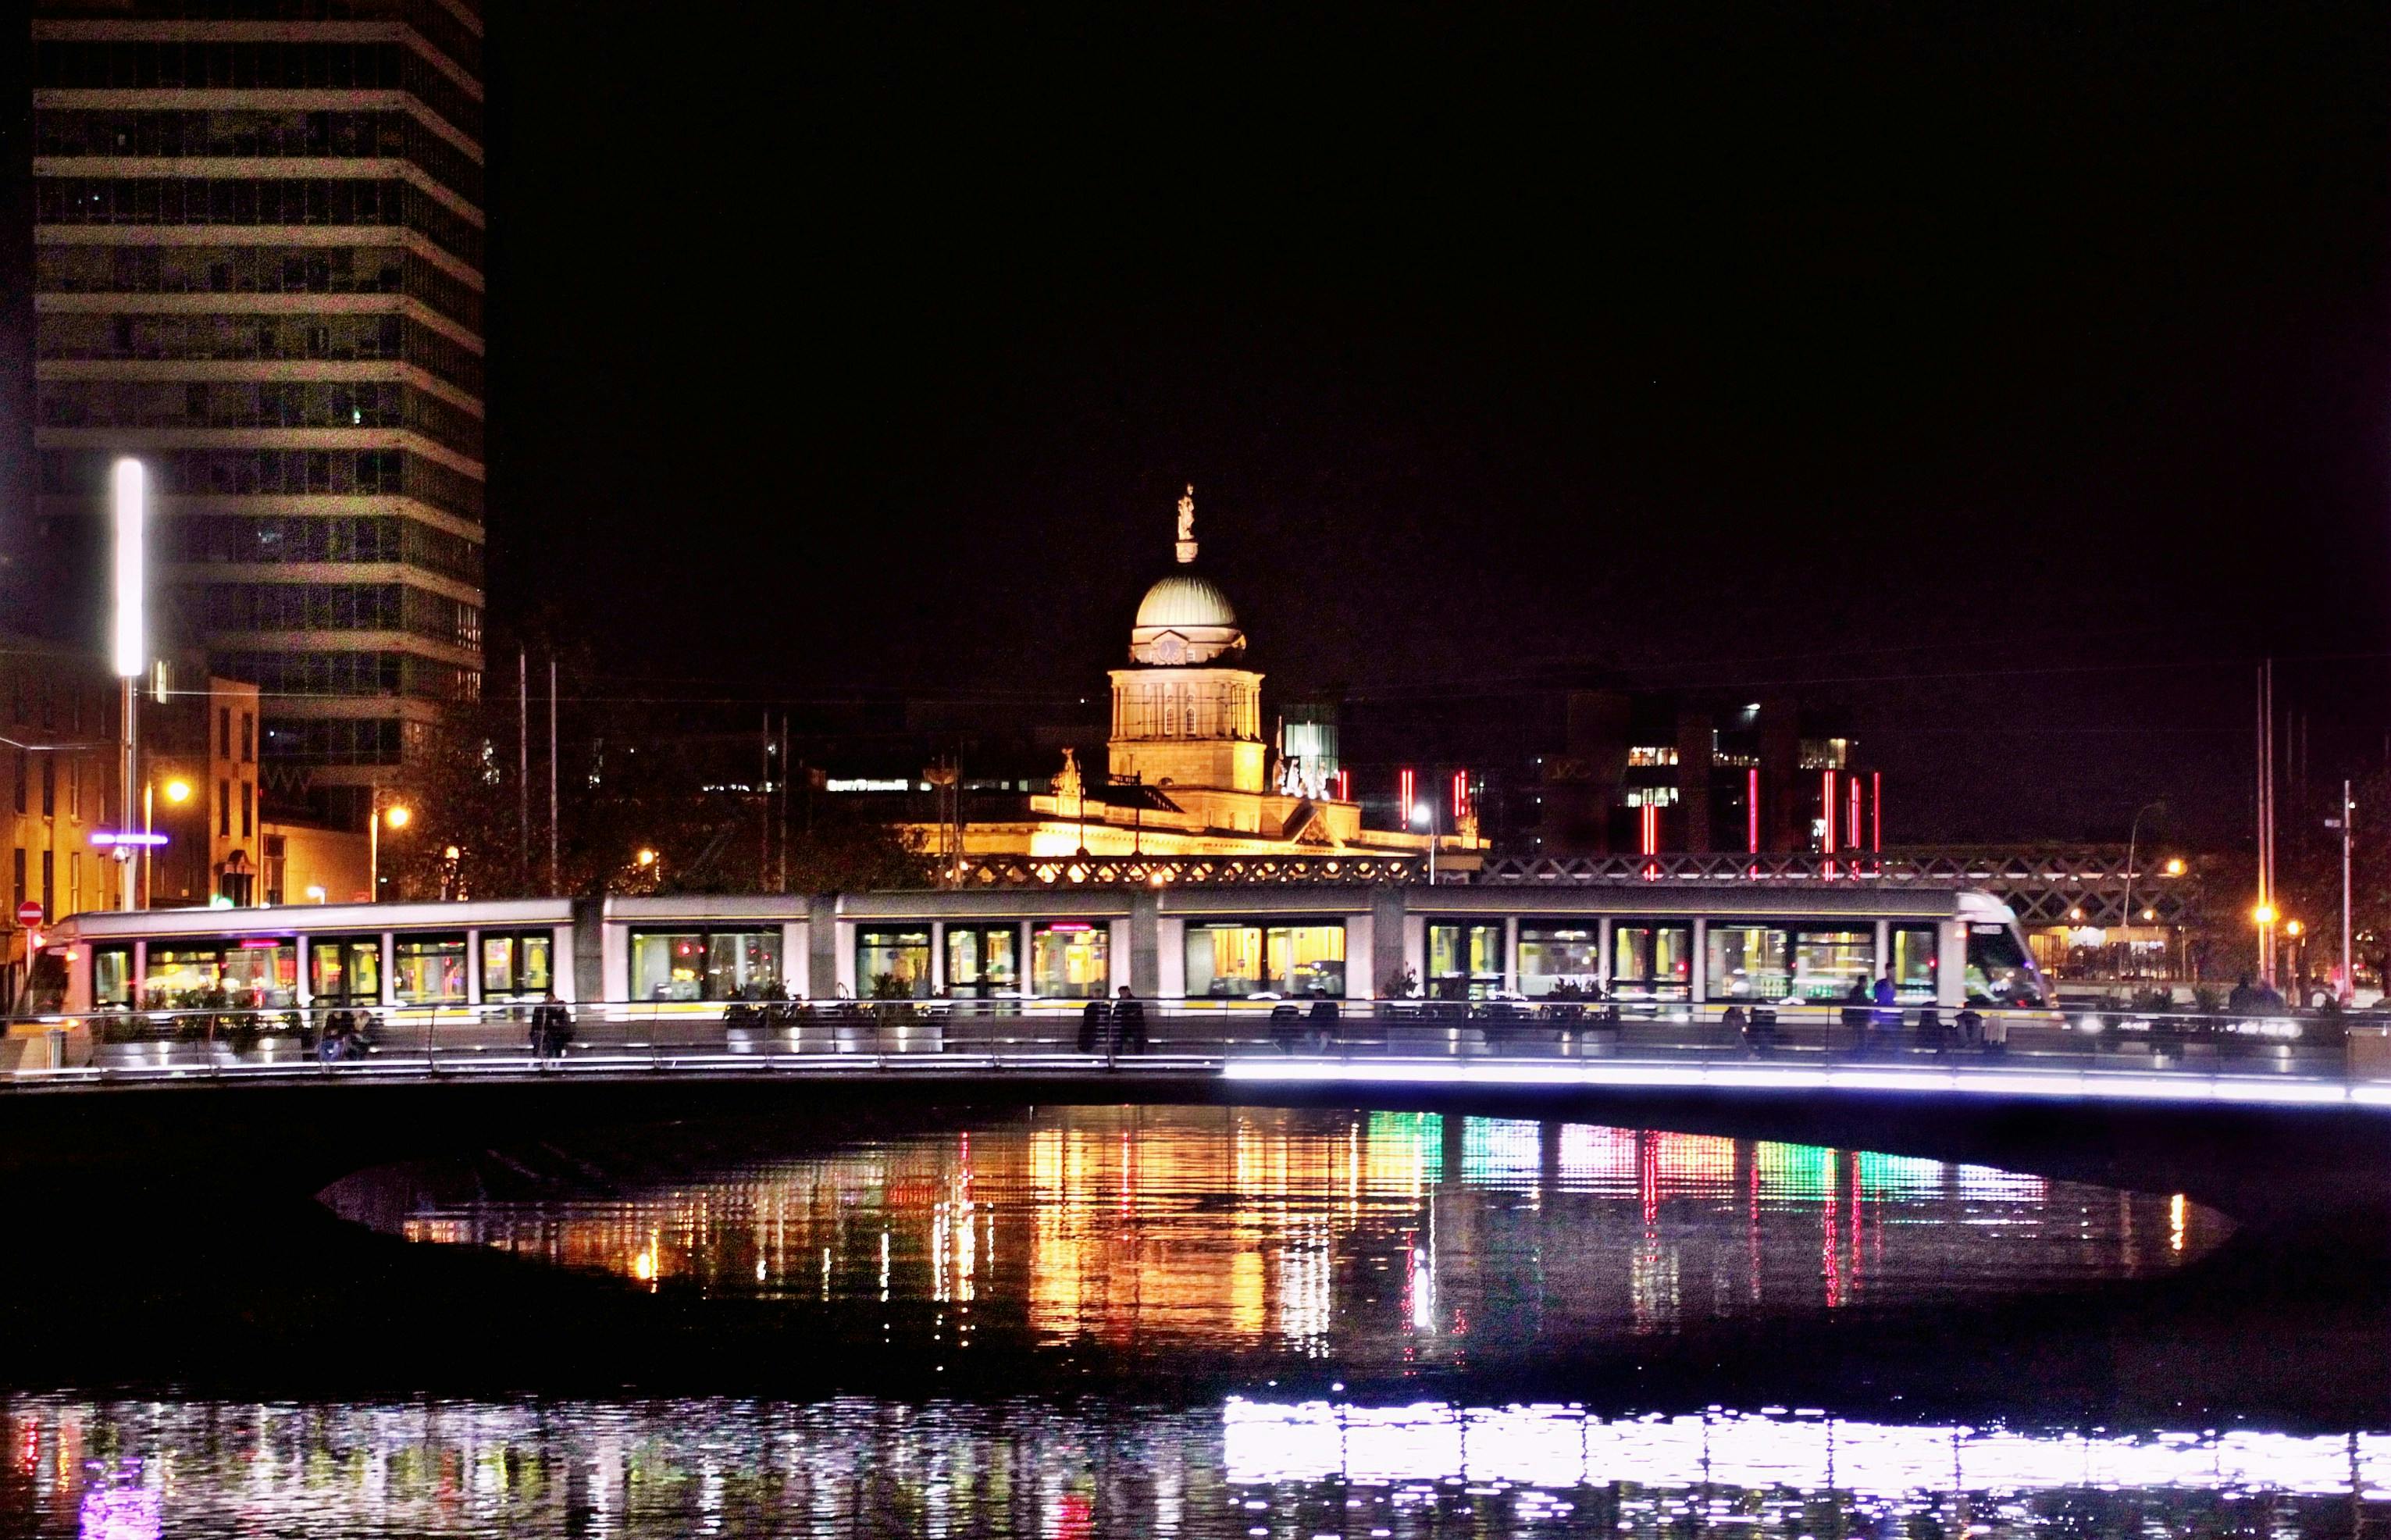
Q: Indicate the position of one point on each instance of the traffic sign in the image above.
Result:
(29, 913)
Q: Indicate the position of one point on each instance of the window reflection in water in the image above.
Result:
(1365, 1237)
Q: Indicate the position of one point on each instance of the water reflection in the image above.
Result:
(1376, 1239)
(1023, 1468)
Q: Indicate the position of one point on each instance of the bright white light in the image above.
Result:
(1420, 814)
(131, 641)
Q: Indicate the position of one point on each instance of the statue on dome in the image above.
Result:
(1067, 785)
(1187, 526)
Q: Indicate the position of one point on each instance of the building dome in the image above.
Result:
(1184, 619)
(1183, 599)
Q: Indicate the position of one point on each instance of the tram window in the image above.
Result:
(344, 970)
(1828, 963)
(1651, 962)
(428, 970)
(1746, 963)
(1069, 959)
(111, 977)
(1914, 956)
(224, 973)
(900, 957)
(46, 984)
(1235, 961)
(699, 965)
(1556, 954)
(982, 961)
(1998, 972)
(515, 964)
(1463, 961)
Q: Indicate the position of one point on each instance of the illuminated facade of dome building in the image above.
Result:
(1190, 769)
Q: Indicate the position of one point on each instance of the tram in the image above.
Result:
(1679, 949)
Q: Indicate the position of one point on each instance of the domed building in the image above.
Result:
(1188, 770)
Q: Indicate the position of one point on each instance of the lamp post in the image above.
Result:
(1424, 816)
(2125, 914)
(178, 791)
(399, 815)
(129, 641)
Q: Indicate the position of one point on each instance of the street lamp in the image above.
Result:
(2126, 906)
(178, 791)
(1424, 816)
(129, 640)
(398, 815)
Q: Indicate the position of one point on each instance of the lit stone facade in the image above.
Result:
(258, 265)
(1189, 772)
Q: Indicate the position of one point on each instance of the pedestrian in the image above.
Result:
(1094, 1023)
(1129, 1022)
(2243, 997)
(1887, 1016)
(1323, 1023)
(551, 1028)
(1857, 1003)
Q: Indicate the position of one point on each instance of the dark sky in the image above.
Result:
(2020, 371)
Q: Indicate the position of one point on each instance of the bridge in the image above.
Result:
(2275, 1121)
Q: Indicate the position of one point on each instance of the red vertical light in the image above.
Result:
(1827, 809)
(1876, 811)
(1853, 842)
(1405, 784)
(1344, 785)
(1651, 840)
(1751, 809)
(1460, 795)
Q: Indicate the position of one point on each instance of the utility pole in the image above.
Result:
(555, 867)
(522, 768)
(2348, 816)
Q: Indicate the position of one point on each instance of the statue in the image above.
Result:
(1066, 784)
(1187, 526)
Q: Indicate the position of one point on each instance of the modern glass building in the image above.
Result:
(258, 257)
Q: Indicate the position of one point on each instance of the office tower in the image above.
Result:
(258, 265)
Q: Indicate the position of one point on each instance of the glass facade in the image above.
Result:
(1070, 959)
(427, 970)
(706, 965)
(515, 964)
(1556, 954)
(1465, 962)
(344, 970)
(1234, 960)
(892, 962)
(983, 961)
(1651, 961)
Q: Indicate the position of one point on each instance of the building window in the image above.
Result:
(74, 790)
(247, 802)
(249, 738)
(1651, 754)
(223, 808)
(49, 886)
(19, 895)
(900, 957)
(224, 733)
(49, 785)
(75, 882)
(1069, 959)
(23, 770)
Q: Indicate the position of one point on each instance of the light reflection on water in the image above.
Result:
(862, 1467)
(1373, 1240)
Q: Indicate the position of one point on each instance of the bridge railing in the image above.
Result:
(1183, 1035)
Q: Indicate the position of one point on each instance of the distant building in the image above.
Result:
(1190, 769)
(1591, 769)
(258, 266)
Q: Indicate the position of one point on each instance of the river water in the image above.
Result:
(1355, 1290)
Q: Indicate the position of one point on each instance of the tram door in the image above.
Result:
(983, 962)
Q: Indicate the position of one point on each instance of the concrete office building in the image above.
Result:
(258, 237)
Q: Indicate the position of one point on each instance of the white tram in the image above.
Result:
(1680, 949)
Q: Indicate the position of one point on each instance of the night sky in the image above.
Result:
(2019, 372)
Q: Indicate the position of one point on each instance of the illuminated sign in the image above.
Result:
(109, 836)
